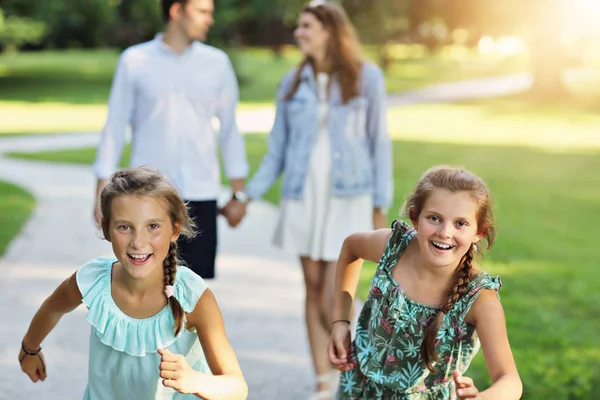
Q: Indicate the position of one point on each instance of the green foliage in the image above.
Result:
(16, 31)
(379, 22)
(135, 22)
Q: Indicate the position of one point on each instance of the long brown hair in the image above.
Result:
(454, 180)
(343, 49)
(145, 182)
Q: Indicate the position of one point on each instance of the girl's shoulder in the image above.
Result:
(402, 232)
(188, 288)
(480, 280)
(399, 239)
(137, 337)
(94, 276)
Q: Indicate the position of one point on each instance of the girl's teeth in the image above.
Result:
(140, 257)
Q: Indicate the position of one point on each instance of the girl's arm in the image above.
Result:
(65, 299)
(487, 315)
(356, 248)
(227, 381)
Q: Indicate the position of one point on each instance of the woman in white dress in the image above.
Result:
(330, 142)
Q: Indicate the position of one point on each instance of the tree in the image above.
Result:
(379, 23)
(16, 31)
(541, 23)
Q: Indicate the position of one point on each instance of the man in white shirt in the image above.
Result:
(168, 90)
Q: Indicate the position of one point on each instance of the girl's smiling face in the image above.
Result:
(140, 231)
(446, 227)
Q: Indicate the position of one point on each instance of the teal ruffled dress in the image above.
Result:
(124, 363)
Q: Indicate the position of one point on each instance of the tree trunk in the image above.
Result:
(548, 61)
(547, 53)
(384, 57)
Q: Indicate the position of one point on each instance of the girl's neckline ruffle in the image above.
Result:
(136, 337)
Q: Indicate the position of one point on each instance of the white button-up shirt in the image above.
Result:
(169, 100)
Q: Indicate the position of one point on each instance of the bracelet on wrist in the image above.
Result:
(29, 352)
(341, 320)
(34, 353)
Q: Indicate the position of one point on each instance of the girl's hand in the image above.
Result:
(33, 365)
(176, 372)
(465, 388)
(340, 354)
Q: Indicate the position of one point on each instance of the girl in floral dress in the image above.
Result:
(429, 309)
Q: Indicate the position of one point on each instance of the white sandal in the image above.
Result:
(334, 381)
(323, 394)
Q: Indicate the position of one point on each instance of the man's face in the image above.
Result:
(195, 18)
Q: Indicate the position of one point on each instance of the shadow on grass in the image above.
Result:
(57, 89)
(571, 107)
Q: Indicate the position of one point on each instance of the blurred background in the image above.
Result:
(508, 89)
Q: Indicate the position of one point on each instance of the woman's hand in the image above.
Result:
(379, 219)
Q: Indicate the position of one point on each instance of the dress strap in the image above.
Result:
(401, 236)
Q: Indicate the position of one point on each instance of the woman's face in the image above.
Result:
(311, 35)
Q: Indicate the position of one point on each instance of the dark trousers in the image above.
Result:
(199, 253)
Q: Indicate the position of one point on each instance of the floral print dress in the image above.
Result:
(390, 331)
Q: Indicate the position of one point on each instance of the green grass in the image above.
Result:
(16, 205)
(571, 125)
(66, 91)
(541, 163)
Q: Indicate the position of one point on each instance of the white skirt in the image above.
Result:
(317, 225)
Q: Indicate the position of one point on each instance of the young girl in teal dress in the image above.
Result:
(157, 331)
(429, 308)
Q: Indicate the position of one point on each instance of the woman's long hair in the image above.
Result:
(343, 50)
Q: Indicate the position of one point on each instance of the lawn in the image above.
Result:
(67, 91)
(541, 165)
(16, 205)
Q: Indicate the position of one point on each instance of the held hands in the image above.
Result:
(465, 388)
(176, 373)
(234, 211)
(340, 354)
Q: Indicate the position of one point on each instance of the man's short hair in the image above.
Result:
(165, 6)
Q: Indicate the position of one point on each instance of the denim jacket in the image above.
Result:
(361, 151)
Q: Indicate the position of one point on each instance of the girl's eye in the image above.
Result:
(154, 226)
(461, 223)
(434, 218)
(123, 227)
